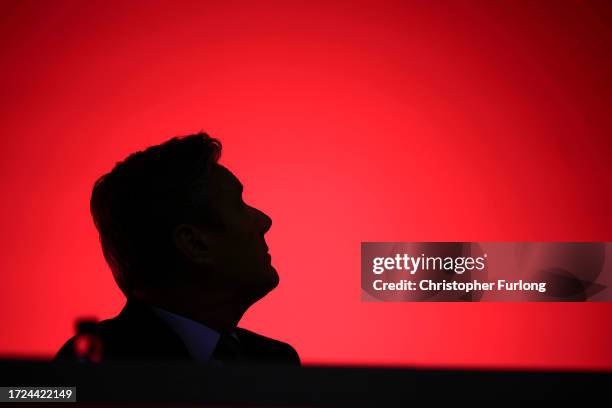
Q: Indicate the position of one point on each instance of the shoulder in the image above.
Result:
(266, 349)
(102, 333)
(135, 334)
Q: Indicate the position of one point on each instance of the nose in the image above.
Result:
(264, 221)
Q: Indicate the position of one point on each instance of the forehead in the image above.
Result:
(225, 179)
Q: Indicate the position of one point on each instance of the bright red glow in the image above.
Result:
(346, 122)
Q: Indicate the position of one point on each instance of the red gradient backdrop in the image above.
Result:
(346, 122)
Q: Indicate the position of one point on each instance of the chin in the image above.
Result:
(269, 281)
(263, 281)
(275, 278)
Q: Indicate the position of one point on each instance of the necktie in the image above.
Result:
(228, 349)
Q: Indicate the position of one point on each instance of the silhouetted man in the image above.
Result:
(189, 255)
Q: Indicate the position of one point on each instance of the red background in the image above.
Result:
(347, 122)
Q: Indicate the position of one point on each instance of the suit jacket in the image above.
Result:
(137, 333)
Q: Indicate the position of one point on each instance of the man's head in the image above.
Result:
(171, 218)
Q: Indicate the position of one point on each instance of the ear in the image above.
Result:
(192, 243)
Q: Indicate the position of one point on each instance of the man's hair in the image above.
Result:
(136, 206)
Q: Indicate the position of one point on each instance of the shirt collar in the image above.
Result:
(199, 339)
